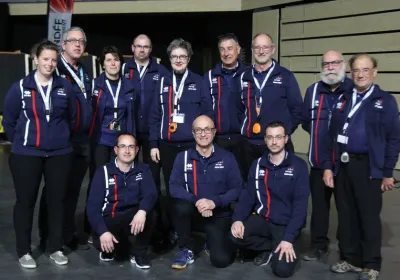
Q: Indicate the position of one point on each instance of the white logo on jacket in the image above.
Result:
(192, 87)
(111, 181)
(245, 84)
(219, 165)
(214, 80)
(261, 172)
(289, 171)
(156, 77)
(95, 92)
(316, 103)
(378, 104)
(139, 177)
(61, 91)
(339, 105)
(189, 166)
(27, 93)
(278, 80)
(127, 75)
(165, 89)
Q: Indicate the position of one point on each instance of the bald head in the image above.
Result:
(332, 55)
(142, 37)
(203, 121)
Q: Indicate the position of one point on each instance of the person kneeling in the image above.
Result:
(272, 208)
(204, 182)
(121, 197)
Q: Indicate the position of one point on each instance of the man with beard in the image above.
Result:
(319, 102)
(273, 207)
(227, 105)
(204, 182)
(268, 92)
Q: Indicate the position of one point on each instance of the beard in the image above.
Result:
(333, 77)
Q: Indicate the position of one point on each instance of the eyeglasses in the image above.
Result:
(145, 47)
(206, 130)
(76, 41)
(277, 137)
(365, 71)
(126, 147)
(180, 57)
(333, 63)
(263, 48)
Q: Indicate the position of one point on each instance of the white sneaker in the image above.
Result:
(27, 261)
(59, 258)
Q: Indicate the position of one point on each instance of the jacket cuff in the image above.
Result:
(217, 201)
(388, 173)
(194, 199)
(153, 144)
(327, 165)
(288, 237)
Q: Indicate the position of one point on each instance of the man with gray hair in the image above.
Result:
(69, 67)
(318, 105)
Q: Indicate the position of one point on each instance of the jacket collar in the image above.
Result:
(248, 75)
(216, 155)
(112, 168)
(152, 66)
(377, 93)
(189, 79)
(218, 68)
(101, 83)
(29, 81)
(265, 161)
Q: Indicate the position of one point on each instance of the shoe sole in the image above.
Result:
(140, 266)
(177, 266)
(265, 263)
(28, 266)
(348, 271)
(59, 263)
(306, 258)
(105, 260)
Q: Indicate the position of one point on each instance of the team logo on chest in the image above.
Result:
(138, 177)
(277, 80)
(219, 165)
(192, 87)
(111, 181)
(27, 93)
(165, 89)
(189, 166)
(61, 91)
(289, 171)
(316, 103)
(245, 84)
(156, 77)
(339, 105)
(261, 173)
(378, 104)
(214, 80)
(127, 75)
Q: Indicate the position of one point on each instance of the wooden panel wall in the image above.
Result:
(349, 26)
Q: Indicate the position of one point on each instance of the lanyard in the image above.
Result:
(143, 71)
(74, 76)
(178, 93)
(45, 96)
(355, 107)
(114, 96)
(328, 107)
(260, 88)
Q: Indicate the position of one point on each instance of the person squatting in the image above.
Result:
(223, 143)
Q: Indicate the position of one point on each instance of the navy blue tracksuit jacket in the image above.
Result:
(227, 106)
(319, 103)
(281, 97)
(25, 123)
(195, 101)
(84, 112)
(278, 193)
(103, 110)
(216, 178)
(114, 193)
(382, 130)
(146, 89)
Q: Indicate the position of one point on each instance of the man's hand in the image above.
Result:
(107, 241)
(387, 184)
(207, 213)
(204, 204)
(287, 249)
(328, 178)
(237, 229)
(138, 221)
(155, 154)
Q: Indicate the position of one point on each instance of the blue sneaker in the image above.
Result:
(182, 259)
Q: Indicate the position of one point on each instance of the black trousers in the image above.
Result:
(252, 152)
(155, 167)
(120, 227)
(235, 146)
(321, 204)
(186, 218)
(80, 163)
(100, 155)
(359, 204)
(27, 172)
(261, 235)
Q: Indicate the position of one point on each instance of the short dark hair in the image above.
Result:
(227, 36)
(180, 43)
(38, 48)
(357, 56)
(125, 134)
(112, 50)
(274, 124)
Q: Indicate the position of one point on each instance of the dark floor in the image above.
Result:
(86, 265)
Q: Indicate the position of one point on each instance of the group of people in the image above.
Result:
(223, 143)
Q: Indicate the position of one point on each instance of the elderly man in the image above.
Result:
(362, 151)
(268, 92)
(227, 105)
(205, 180)
(318, 105)
(272, 209)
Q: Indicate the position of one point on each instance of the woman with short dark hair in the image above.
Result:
(39, 116)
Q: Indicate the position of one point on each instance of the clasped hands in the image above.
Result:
(205, 207)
